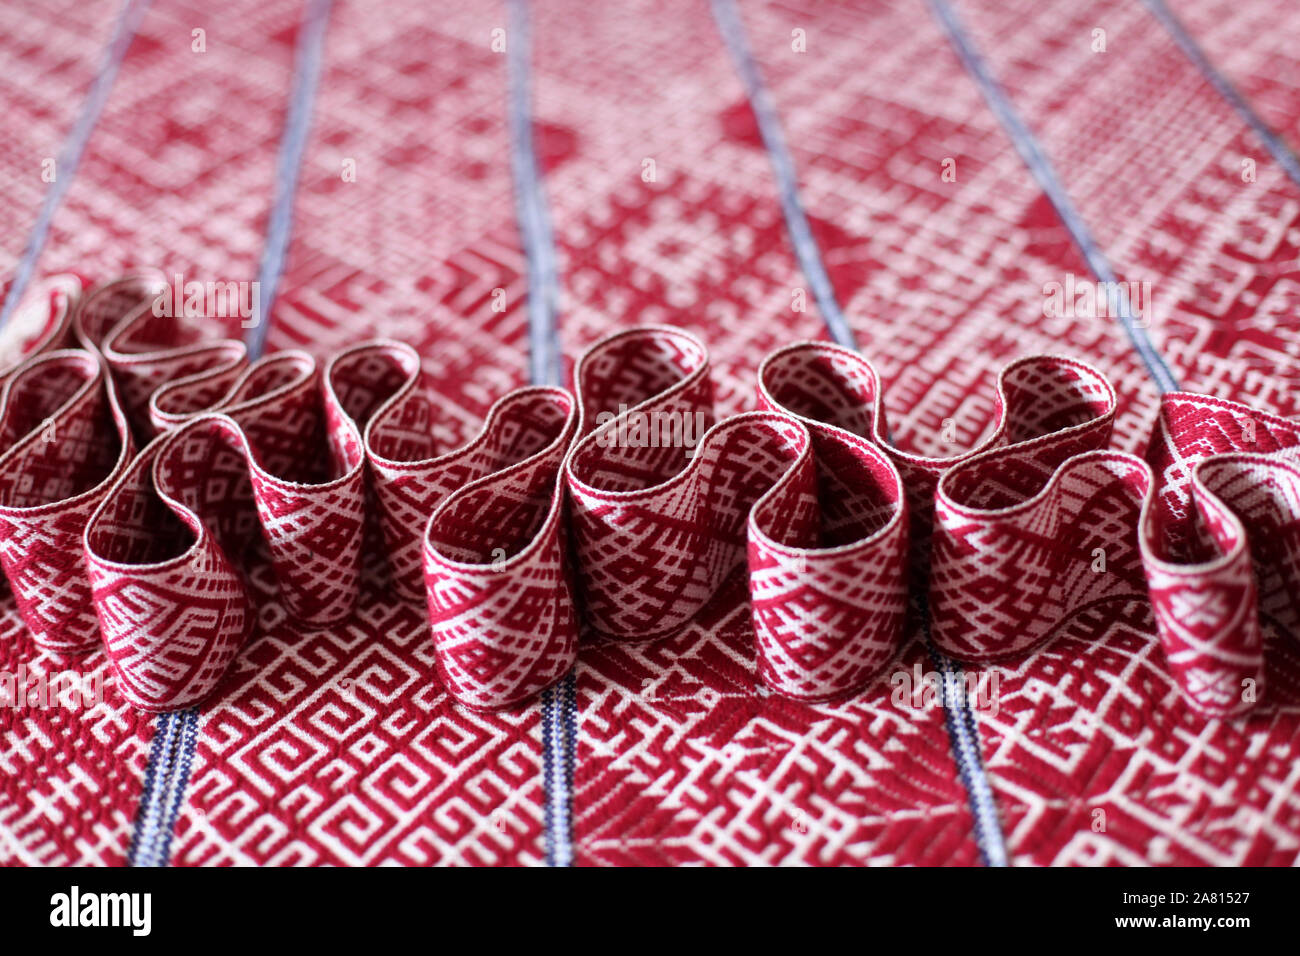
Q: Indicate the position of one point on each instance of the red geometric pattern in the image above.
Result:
(165, 534)
(1022, 524)
(338, 744)
(1071, 750)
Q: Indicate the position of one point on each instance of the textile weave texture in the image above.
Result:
(978, 541)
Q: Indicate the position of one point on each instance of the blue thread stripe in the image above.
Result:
(958, 720)
(293, 143)
(1281, 152)
(166, 776)
(769, 128)
(1034, 157)
(559, 707)
(565, 852)
(175, 736)
(65, 170)
(148, 798)
(531, 208)
(548, 774)
(559, 719)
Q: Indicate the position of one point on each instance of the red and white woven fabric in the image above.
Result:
(374, 597)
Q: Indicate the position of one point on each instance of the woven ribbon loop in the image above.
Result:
(143, 467)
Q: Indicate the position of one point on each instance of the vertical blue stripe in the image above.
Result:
(769, 128)
(559, 726)
(1276, 146)
(1034, 157)
(958, 719)
(307, 64)
(166, 776)
(559, 703)
(171, 753)
(530, 207)
(65, 170)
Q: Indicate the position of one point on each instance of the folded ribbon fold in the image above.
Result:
(140, 469)
(148, 550)
(664, 510)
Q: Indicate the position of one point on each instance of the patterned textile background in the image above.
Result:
(499, 184)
